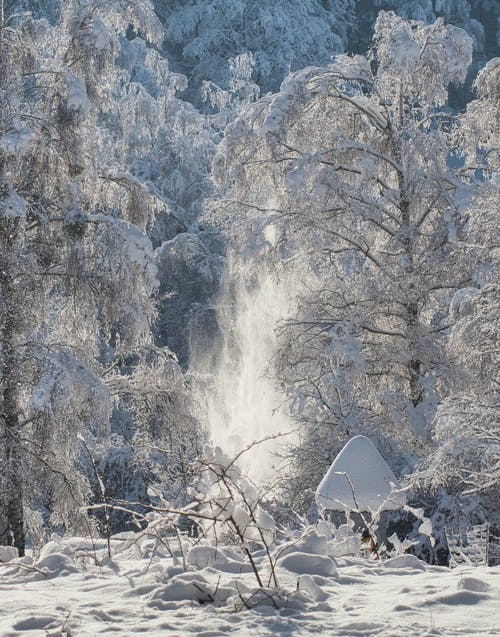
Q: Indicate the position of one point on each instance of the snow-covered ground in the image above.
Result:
(143, 590)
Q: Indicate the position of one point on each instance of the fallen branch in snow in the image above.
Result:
(25, 567)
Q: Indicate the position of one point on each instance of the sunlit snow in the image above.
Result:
(152, 587)
(359, 480)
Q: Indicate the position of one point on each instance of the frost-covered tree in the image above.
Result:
(204, 37)
(189, 273)
(478, 138)
(77, 269)
(156, 432)
(349, 164)
(457, 12)
(477, 17)
(466, 428)
(21, 279)
(464, 459)
(166, 145)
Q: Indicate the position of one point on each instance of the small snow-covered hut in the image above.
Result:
(361, 485)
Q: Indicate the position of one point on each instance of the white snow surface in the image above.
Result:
(359, 479)
(143, 590)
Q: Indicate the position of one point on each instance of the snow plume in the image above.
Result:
(246, 405)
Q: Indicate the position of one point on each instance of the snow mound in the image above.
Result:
(203, 556)
(460, 598)
(305, 563)
(306, 583)
(359, 479)
(57, 564)
(56, 546)
(7, 553)
(312, 542)
(185, 586)
(218, 558)
(319, 541)
(346, 546)
(191, 587)
(266, 601)
(473, 584)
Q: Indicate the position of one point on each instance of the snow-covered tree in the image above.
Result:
(477, 17)
(78, 271)
(462, 470)
(464, 458)
(204, 38)
(21, 278)
(351, 168)
(478, 138)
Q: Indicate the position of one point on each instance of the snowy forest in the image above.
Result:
(234, 235)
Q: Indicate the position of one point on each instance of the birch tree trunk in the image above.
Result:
(11, 495)
(11, 490)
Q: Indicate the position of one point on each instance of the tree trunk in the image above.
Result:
(11, 495)
(414, 365)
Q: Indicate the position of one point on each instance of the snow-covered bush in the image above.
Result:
(228, 500)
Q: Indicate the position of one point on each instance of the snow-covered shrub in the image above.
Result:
(230, 501)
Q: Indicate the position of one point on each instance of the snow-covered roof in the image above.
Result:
(369, 484)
